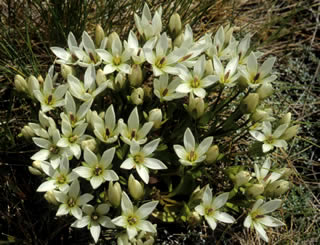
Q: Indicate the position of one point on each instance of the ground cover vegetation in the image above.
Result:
(284, 30)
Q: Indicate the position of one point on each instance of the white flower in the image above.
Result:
(209, 208)
(226, 76)
(147, 26)
(67, 57)
(116, 60)
(72, 201)
(195, 82)
(58, 178)
(135, 50)
(106, 130)
(255, 76)
(93, 219)
(191, 154)
(269, 139)
(50, 151)
(71, 114)
(50, 97)
(141, 159)
(97, 170)
(132, 131)
(258, 220)
(165, 91)
(87, 90)
(161, 60)
(72, 137)
(134, 219)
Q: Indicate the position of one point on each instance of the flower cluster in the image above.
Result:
(114, 118)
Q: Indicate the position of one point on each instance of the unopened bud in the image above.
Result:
(277, 188)
(155, 116)
(37, 164)
(113, 36)
(100, 77)
(114, 193)
(228, 30)
(66, 70)
(137, 96)
(40, 79)
(34, 171)
(119, 81)
(265, 90)
(285, 173)
(99, 35)
(175, 25)
(286, 119)
(136, 76)
(290, 132)
(196, 106)
(249, 103)
(20, 83)
(27, 132)
(136, 189)
(208, 70)
(212, 154)
(33, 84)
(50, 197)
(259, 115)
(91, 144)
(193, 218)
(178, 40)
(255, 190)
(242, 178)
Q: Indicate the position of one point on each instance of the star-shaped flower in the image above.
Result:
(134, 219)
(141, 159)
(166, 91)
(191, 154)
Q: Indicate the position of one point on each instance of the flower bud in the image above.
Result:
(155, 116)
(100, 77)
(114, 193)
(290, 132)
(277, 188)
(208, 70)
(228, 30)
(249, 103)
(99, 35)
(136, 76)
(178, 40)
(37, 164)
(286, 119)
(137, 96)
(20, 84)
(194, 218)
(285, 173)
(212, 154)
(40, 79)
(242, 178)
(50, 197)
(66, 70)
(113, 36)
(34, 171)
(197, 194)
(136, 189)
(27, 132)
(255, 190)
(265, 90)
(259, 115)
(119, 81)
(175, 25)
(91, 144)
(196, 106)
(33, 84)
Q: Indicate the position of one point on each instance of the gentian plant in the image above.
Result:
(162, 127)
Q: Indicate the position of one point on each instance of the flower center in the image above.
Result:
(209, 211)
(256, 78)
(71, 202)
(97, 171)
(72, 118)
(195, 83)
(132, 220)
(61, 179)
(269, 140)
(117, 60)
(107, 133)
(165, 92)
(73, 138)
(160, 62)
(192, 156)
(133, 134)
(139, 158)
(49, 100)
(54, 149)
(94, 216)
